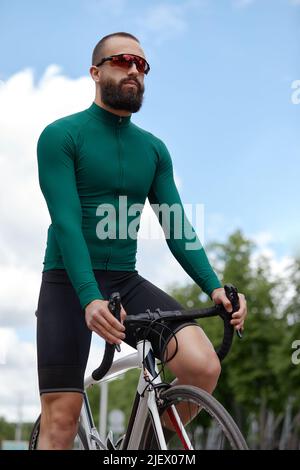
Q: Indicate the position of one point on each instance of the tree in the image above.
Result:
(7, 430)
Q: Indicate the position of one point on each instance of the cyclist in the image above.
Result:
(87, 163)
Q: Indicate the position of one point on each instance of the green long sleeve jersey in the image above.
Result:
(88, 160)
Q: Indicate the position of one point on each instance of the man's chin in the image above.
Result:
(128, 104)
(132, 108)
(125, 107)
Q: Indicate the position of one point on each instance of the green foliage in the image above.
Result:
(121, 392)
(7, 430)
(284, 368)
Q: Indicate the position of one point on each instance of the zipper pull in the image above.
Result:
(120, 120)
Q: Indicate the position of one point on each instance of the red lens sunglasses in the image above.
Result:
(125, 61)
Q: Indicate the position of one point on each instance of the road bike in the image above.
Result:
(163, 416)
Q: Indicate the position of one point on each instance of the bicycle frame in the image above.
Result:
(145, 401)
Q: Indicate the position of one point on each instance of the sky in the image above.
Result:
(224, 95)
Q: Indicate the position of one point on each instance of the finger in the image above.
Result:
(237, 315)
(240, 321)
(113, 322)
(240, 326)
(100, 322)
(245, 312)
(235, 321)
(106, 335)
(242, 312)
(242, 300)
(227, 304)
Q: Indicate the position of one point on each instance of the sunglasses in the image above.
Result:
(125, 61)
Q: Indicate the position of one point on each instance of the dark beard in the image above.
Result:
(116, 96)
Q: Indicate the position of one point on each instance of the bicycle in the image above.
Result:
(158, 417)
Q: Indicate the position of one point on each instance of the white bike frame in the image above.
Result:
(144, 405)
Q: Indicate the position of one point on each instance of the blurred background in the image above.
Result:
(224, 95)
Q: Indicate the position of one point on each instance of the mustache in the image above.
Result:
(123, 82)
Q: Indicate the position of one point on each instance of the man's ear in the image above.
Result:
(95, 73)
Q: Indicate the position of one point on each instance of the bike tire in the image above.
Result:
(80, 442)
(230, 435)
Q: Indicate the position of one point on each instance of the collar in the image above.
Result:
(107, 117)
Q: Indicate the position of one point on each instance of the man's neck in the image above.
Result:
(118, 112)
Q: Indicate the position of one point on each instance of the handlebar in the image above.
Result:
(145, 318)
(114, 305)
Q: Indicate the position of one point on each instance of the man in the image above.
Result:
(87, 162)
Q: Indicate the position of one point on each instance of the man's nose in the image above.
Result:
(132, 70)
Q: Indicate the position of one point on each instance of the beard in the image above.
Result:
(119, 97)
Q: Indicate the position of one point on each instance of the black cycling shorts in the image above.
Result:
(63, 338)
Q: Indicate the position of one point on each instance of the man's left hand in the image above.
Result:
(219, 297)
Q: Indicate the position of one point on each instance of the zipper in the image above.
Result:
(119, 155)
(120, 179)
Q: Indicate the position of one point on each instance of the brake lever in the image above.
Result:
(114, 306)
(232, 295)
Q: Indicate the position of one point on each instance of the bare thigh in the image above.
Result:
(196, 359)
(195, 363)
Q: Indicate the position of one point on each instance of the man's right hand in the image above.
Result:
(99, 319)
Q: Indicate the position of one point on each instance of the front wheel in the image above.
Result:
(207, 425)
(80, 442)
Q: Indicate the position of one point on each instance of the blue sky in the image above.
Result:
(219, 93)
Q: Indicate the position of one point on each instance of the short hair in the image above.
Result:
(98, 50)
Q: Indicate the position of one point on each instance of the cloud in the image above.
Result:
(279, 268)
(165, 20)
(18, 385)
(18, 295)
(278, 265)
(295, 2)
(158, 21)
